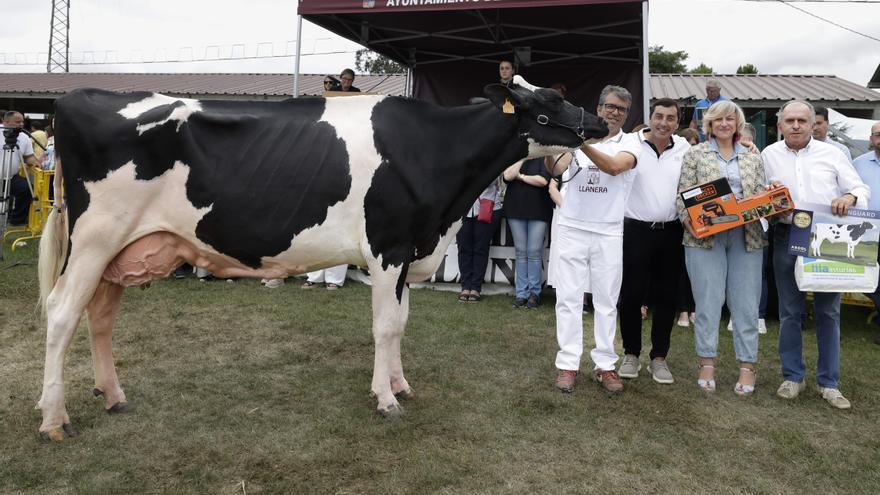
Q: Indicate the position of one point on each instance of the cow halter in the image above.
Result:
(579, 131)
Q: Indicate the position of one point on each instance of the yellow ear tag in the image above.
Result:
(507, 107)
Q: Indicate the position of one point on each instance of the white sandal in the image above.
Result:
(706, 385)
(745, 390)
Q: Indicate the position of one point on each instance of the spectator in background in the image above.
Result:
(333, 277)
(726, 265)
(22, 154)
(528, 209)
(868, 167)
(691, 135)
(39, 139)
(505, 72)
(473, 241)
(686, 314)
(713, 96)
(820, 132)
(346, 79)
(331, 84)
(819, 173)
(748, 139)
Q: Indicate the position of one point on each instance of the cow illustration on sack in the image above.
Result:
(850, 234)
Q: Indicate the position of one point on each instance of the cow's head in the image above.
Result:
(551, 124)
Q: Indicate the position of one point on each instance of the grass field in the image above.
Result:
(242, 389)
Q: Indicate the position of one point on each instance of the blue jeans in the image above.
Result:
(726, 269)
(792, 303)
(528, 243)
(473, 241)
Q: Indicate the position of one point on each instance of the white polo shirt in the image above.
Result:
(655, 188)
(595, 201)
(819, 173)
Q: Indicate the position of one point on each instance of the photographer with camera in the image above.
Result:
(16, 150)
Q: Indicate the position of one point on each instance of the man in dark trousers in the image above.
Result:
(653, 256)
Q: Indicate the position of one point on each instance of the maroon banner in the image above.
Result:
(354, 6)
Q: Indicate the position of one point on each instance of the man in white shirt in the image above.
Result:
(815, 172)
(820, 132)
(15, 154)
(590, 242)
(653, 256)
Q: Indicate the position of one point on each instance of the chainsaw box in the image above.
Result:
(713, 208)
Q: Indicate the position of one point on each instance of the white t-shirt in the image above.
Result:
(655, 188)
(595, 201)
(25, 148)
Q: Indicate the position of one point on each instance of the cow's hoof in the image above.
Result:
(59, 433)
(394, 411)
(120, 407)
(404, 394)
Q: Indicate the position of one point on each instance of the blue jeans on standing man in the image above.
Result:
(726, 270)
(528, 244)
(792, 303)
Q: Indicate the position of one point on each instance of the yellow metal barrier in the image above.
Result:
(39, 208)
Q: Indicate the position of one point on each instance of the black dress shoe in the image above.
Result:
(519, 302)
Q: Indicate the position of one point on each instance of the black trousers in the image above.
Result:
(653, 259)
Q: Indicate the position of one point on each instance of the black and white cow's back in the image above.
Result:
(267, 189)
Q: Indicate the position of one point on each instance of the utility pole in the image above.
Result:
(59, 30)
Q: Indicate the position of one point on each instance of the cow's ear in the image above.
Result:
(501, 95)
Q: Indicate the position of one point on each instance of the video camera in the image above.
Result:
(10, 137)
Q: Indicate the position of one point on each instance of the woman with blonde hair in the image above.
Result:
(728, 263)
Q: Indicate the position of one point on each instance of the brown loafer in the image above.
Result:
(609, 380)
(565, 380)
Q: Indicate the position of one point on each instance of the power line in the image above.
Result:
(786, 3)
(132, 62)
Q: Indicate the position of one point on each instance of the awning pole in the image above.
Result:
(299, 30)
(408, 91)
(646, 69)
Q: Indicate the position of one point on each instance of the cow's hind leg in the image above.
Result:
(399, 387)
(388, 315)
(102, 313)
(64, 308)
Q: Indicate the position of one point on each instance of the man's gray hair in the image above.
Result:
(618, 91)
(713, 83)
(802, 102)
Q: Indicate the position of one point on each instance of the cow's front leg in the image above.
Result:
(388, 315)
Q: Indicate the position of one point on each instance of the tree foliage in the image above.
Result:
(662, 61)
(702, 69)
(372, 63)
(747, 69)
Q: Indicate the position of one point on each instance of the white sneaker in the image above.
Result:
(762, 325)
(274, 283)
(834, 397)
(683, 320)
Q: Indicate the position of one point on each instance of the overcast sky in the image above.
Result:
(723, 34)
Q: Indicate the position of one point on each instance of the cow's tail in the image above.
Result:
(53, 250)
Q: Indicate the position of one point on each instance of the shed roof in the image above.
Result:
(263, 86)
(763, 87)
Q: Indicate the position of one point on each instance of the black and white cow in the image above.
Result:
(850, 234)
(267, 190)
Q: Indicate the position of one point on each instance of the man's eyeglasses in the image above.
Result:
(611, 107)
(875, 134)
